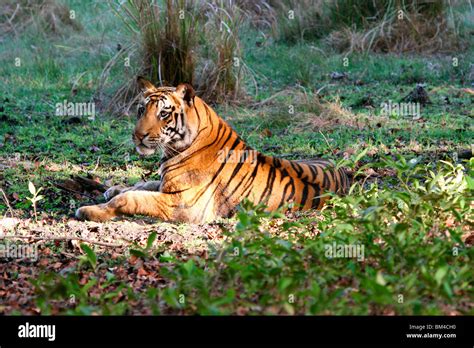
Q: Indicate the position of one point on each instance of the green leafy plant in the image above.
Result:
(36, 197)
(90, 256)
(145, 252)
(76, 298)
(258, 271)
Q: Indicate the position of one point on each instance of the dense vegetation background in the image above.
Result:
(297, 79)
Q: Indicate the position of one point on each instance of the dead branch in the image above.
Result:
(62, 238)
(64, 188)
(89, 184)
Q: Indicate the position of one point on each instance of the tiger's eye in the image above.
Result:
(141, 110)
(164, 114)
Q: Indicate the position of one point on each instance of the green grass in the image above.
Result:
(408, 221)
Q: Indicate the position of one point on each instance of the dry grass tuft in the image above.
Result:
(311, 113)
(167, 38)
(182, 41)
(222, 68)
(323, 115)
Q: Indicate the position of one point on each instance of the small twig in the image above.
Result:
(323, 87)
(327, 142)
(76, 82)
(63, 238)
(5, 198)
(11, 19)
(97, 164)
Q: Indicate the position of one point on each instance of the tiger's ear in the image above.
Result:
(145, 85)
(186, 92)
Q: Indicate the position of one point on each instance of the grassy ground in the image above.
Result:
(410, 209)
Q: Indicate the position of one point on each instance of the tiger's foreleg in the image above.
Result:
(141, 186)
(156, 204)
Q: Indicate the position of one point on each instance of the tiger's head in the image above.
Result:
(164, 119)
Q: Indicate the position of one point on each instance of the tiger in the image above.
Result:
(206, 169)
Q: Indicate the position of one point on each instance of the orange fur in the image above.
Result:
(207, 170)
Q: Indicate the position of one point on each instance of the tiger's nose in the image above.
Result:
(141, 136)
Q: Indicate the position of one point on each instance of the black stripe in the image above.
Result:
(220, 134)
(326, 179)
(304, 194)
(316, 199)
(208, 113)
(332, 176)
(237, 168)
(284, 194)
(209, 200)
(176, 192)
(276, 162)
(250, 181)
(293, 190)
(297, 168)
(341, 182)
(216, 174)
(314, 173)
(269, 185)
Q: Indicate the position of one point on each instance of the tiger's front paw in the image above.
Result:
(97, 213)
(113, 191)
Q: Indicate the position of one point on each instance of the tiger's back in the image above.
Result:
(215, 177)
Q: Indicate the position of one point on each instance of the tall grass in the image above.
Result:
(223, 67)
(183, 41)
(167, 36)
(299, 20)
